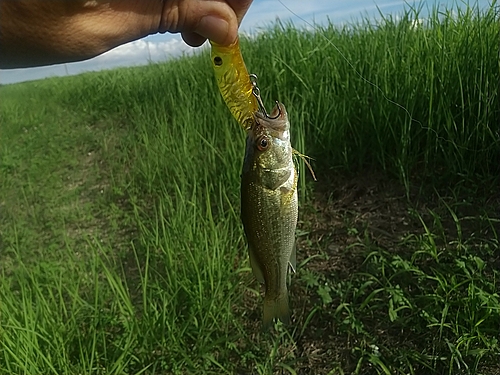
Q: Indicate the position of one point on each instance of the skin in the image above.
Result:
(41, 32)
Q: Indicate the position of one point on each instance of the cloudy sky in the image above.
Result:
(261, 14)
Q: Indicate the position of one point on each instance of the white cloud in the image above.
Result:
(146, 50)
(139, 52)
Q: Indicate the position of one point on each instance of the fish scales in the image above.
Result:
(269, 208)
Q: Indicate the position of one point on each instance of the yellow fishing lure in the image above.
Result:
(234, 82)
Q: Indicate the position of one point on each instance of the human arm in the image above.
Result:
(40, 32)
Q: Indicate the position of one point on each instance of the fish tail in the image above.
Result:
(276, 309)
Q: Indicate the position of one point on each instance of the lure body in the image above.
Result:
(234, 82)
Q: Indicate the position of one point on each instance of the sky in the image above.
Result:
(262, 13)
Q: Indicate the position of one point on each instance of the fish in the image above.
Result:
(269, 208)
(269, 201)
(234, 82)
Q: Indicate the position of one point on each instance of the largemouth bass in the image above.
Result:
(269, 201)
(234, 82)
(269, 208)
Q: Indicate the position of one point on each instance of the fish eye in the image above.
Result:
(262, 143)
(218, 60)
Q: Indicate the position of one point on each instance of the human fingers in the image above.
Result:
(240, 8)
(199, 20)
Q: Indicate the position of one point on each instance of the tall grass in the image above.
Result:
(120, 242)
(406, 96)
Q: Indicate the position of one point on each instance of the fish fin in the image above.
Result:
(276, 309)
(257, 272)
(273, 178)
(292, 263)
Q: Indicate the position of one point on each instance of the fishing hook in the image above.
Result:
(256, 93)
(279, 112)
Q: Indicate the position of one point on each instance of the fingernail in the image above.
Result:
(213, 28)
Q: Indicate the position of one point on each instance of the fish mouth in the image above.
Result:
(278, 112)
(276, 121)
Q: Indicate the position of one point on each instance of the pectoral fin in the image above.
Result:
(274, 178)
(292, 263)
(257, 272)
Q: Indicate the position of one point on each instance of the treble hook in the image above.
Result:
(279, 112)
(256, 93)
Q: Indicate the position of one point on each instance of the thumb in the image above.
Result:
(199, 20)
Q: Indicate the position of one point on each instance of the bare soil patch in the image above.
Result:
(344, 212)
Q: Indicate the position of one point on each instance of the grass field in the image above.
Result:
(121, 248)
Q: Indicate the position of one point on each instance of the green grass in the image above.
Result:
(121, 248)
(404, 98)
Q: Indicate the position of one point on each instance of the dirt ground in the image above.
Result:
(343, 212)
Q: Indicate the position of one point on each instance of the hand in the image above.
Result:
(40, 32)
